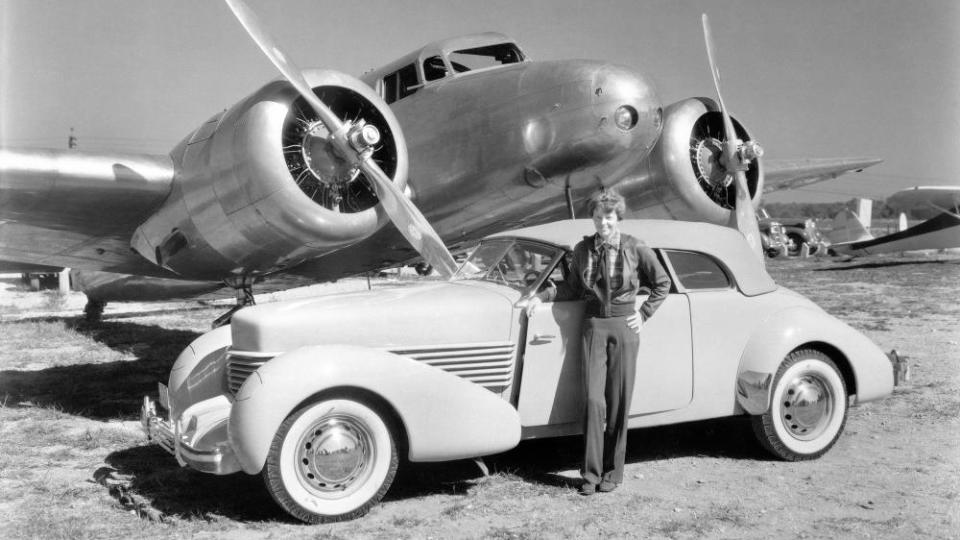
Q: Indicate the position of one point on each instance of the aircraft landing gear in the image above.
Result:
(93, 311)
(244, 289)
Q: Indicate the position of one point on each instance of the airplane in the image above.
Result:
(939, 205)
(322, 175)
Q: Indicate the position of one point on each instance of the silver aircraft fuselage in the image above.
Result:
(500, 146)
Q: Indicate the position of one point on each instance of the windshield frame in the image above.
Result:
(504, 247)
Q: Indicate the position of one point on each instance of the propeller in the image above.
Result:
(735, 158)
(354, 142)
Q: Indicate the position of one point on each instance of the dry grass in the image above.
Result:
(70, 395)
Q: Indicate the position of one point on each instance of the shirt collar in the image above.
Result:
(614, 241)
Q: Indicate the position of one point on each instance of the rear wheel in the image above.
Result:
(331, 460)
(808, 409)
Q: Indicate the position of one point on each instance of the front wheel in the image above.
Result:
(794, 244)
(331, 460)
(808, 408)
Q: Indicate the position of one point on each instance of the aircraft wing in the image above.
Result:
(941, 232)
(929, 200)
(795, 173)
(64, 208)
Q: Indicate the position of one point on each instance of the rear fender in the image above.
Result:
(444, 416)
(797, 326)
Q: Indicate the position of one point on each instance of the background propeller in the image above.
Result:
(354, 141)
(735, 159)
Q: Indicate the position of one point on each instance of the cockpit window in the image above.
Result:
(484, 57)
(518, 265)
(400, 83)
(434, 68)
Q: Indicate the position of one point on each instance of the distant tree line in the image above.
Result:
(828, 210)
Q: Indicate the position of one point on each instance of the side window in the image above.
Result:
(400, 84)
(434, 68)
(697, 271)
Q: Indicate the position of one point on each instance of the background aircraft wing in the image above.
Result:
(64, 208)
(941, 232)
(931, 199)
(795, 173)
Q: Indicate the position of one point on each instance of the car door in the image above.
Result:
(722, 321)
(550, 388)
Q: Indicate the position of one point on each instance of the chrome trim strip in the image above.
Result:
(489, 364)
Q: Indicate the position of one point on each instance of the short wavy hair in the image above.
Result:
(606, 201)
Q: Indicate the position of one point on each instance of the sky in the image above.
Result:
(814, 78)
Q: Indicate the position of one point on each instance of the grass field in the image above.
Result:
(73, 463)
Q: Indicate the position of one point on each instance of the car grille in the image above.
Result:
(489, 365)
(241, 364)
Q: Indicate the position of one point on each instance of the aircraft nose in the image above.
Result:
(628, 106)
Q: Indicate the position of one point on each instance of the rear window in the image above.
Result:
(697, 271)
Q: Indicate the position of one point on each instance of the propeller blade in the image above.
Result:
(287, 67)
(409, 221)
(744, 217)
(402, 212)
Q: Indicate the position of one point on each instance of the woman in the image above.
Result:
(607, 270)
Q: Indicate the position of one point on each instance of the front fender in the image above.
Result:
(445, 416)
(794, 327)
(197, 375)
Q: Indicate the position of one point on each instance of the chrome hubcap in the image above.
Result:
(806, 406)
(335, 454)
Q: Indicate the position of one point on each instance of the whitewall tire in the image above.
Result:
(331, 460)
(808, 408)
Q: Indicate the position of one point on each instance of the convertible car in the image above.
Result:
(323, 396)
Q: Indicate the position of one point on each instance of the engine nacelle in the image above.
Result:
(681, 177)
(258, 189)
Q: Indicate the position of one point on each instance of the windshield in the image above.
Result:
(484, 57)
(516, 264)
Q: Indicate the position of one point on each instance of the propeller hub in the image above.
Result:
(363, 136)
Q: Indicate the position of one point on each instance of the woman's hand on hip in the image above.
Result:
(635, 321)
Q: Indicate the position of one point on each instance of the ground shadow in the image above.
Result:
(105, 390)
(539, 460)
(183, 493)
(190, 495)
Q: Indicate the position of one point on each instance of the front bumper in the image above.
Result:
(203, 446)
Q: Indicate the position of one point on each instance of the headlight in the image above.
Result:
(625, 117)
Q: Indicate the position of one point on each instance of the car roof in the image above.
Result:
(725, 244)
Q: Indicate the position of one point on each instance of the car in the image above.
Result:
(323, 396)
(773, 239)
(804, 232)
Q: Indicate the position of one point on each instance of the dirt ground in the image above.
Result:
(74, 465)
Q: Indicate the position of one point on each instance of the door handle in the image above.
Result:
(543, 337)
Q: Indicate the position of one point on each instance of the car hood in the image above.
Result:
(438, 313)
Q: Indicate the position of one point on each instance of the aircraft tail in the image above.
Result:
(848, 228)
